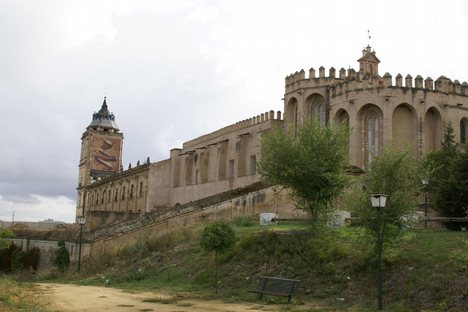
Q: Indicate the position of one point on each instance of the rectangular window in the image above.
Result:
(253, 164)
(141, 189)
(123, 193)
(231, 168)
(463, 127)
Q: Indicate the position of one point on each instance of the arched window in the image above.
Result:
(342, 117)
(405, 127)
(319, 113)
(290, 117)
(316, 109)
(371, 133)
(432, 130)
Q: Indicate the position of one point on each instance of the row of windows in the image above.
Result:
(252, 166)
(107, 196)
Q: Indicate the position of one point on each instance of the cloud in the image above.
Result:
(37, 208)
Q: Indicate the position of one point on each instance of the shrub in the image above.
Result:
(62, 257)
(32, 258)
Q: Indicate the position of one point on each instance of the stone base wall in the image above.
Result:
(265, 200)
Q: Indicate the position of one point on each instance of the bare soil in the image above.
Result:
(73, 298)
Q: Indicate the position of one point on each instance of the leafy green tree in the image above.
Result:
(4, 243)
(62, 257)
(312, 165)
(448, 177)
(394, 172)
(217, 237)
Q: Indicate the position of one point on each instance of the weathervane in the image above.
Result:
(368, 37)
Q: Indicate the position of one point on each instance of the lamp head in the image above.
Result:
(378, 200)
(81, 220)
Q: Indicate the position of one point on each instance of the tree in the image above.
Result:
(5, 243)
(217, 237)
(395, 173)
(312, 165)
(448, 177)
(62, 257)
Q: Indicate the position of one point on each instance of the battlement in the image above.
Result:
(262, 118)
(349, 80)
(294, 80)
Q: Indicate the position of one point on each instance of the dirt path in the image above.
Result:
(72, 298)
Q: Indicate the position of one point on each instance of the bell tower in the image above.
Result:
(369, 63)
(101, 153)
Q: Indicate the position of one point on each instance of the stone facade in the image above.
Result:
(211, 164)
(378, 109)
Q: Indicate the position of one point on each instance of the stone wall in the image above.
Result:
(250, 201)
(271, 199)
(218, 162)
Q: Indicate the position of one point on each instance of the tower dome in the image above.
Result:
(104, 119)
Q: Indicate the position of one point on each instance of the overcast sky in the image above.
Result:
(175, 70)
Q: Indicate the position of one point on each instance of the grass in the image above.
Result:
(426, 270)
(16, 296)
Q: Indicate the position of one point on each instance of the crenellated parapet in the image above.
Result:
(262, 118)
(299, 80)
(351, 80)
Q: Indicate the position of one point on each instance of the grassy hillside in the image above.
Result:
(428, 270)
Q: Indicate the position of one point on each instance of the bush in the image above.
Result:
(32, 259)
(6, 256)
(5, 234)
(17, 260)
(62, 257)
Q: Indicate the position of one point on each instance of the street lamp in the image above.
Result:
(81, 221)
(379, 201)
(425, 183)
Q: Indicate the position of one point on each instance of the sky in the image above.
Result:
(175, 70)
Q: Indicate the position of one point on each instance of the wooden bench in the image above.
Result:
(276, 286)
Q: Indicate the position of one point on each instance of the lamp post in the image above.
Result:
(425, 183)
(81, 222)
(378, 201)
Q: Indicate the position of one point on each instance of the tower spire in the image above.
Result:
(104, 118)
